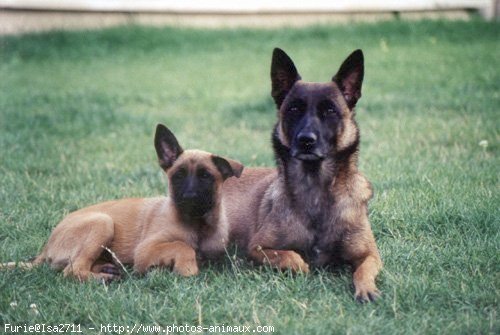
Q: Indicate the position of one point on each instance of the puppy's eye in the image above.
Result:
(204, 174)
(294, 109)
(180, 174)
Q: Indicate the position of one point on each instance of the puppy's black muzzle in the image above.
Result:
(195, 205)
(193, 196)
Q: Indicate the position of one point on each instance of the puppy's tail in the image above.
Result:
(16, 265)
(23, 265)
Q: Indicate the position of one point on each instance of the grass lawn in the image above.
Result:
(77, 116)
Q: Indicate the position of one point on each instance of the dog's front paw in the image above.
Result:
(286, 260)
(293, 261)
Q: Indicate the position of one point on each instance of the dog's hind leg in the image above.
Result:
(178, 255)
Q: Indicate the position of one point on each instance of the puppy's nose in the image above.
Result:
(189, 194)
(307, 139)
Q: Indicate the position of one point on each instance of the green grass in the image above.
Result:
(77, 114)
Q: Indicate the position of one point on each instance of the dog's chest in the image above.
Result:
(302, 215)
(318, 214)
(312, 201)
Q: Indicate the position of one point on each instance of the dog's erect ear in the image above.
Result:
(283, 75)
(227, 167)
(350, 77)
(167, 147)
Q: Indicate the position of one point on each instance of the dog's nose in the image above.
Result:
(307, 139)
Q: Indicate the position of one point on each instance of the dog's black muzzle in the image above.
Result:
(306, 146)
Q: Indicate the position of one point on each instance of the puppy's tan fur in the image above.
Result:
(145, 232)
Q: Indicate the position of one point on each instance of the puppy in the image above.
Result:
(149, 232)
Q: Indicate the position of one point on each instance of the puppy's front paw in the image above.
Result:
(186, 269)
(366, 293)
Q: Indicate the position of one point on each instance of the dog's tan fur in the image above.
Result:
(146, 232)
(290, 217)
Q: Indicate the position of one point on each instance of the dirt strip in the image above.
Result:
(18, 22)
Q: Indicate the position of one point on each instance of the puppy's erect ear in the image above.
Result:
(167, 147)
(283, 75)
(227, 167)
(350, 77)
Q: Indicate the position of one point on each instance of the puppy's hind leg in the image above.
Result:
(103, 267)
(81, 243)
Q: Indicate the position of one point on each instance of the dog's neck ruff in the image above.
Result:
(309, 185)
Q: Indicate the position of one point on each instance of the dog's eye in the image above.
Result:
(296, 107)
(326, 111)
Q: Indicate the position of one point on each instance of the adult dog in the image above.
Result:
(312, 209)
(149, 232)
